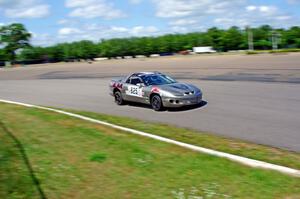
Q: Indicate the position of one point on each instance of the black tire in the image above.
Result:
(156, 103)
(118, 98)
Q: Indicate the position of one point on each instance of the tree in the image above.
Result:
(233, 39)
(214, 37)
(31, 53)
(291, 37)
(14, 37)
(262, 37)
(3, 55)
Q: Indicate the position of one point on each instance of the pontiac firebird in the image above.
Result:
(154, 88)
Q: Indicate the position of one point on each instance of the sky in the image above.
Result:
(56, 21)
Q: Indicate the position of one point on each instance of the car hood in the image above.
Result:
(179, 88)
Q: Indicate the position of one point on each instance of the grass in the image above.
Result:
(204, 139)
(13, 171)
(72, 158)
(98, 157)
(286, 50)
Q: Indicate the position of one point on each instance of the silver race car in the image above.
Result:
(154, 88)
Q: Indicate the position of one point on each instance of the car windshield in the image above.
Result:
(156, 79)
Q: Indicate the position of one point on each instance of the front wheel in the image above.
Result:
(156, 103)
(118, 98)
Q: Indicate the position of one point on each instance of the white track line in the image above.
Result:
(235, 158)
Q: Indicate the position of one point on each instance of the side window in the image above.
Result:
(129, 79)
(135, 80)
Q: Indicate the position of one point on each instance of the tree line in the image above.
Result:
(15, 36)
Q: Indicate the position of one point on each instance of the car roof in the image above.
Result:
(146, 73)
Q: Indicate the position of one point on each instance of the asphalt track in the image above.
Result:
(254, 98)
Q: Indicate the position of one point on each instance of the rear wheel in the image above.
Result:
(118, 98)
(156, 103)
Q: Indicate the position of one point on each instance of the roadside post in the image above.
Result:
(7, 64)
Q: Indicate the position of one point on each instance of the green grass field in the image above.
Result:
(204, 139)
(56, 156)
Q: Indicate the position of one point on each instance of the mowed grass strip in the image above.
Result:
(72, 158)
(204, 139)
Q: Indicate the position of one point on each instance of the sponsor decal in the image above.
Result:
(117, 85)
(155, 90)
(120, 85)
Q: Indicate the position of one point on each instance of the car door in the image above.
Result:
(133, 91)
(125, 89)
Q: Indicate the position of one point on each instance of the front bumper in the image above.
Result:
(182, 101)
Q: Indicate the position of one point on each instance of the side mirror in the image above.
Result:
(140, 85)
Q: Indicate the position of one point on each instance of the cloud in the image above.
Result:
(93, 9)
(194, 15)
(42, 39)
(189, 15)
(251, 8)
(119, 29)
(255, 15)
(95, 32)
(68, 31)
(175, 16)
(264, 9)
(227, 22)
(142, 30)
(283, 17)
(183, 22)
(24, 8)
(179, 29)
(37, 11)
(185, 8)
(70, 22)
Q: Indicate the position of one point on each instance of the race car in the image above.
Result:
(154, 88)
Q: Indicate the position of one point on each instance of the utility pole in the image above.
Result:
(275, 36)
(250, 39)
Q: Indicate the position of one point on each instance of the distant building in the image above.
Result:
(100, 58)
(204, 49)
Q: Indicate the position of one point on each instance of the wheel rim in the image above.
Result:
(118, 98)
(156, 103)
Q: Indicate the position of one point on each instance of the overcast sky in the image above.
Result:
(52, 21)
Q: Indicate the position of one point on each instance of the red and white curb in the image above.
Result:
(235, 158)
